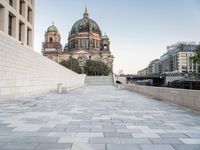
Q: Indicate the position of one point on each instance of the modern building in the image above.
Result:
(142, 72)
(177, 59)
(17, 20)
(153, 67)
(85, 42)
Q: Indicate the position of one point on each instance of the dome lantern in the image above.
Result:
(85, 14)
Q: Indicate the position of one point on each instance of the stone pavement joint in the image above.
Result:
(97, 118)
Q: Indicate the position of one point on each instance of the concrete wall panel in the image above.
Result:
(182, 97)
(24, 72)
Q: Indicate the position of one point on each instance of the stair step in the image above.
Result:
(99, 80)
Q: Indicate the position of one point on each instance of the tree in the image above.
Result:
(196, 57)
(72, 64)
(96, 68)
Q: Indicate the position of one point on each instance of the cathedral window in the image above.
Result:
(73, 44)
(82, 43)
(105, 47)
(93, 43)
(51, 40)
(86, 41)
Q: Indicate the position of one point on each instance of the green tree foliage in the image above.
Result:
(196, 57)
(96, 68)
(72, 64)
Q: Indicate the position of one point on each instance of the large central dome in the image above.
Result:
(86, 35)
(85, 25)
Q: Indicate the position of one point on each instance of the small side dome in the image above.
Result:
(52, 28)
(105, 37)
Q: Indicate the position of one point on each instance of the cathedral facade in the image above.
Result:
(85, 42)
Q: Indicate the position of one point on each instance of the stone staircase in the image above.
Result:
(99, 80)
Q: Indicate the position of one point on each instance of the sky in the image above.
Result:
(139, 30)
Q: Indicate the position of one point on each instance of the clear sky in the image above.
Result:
(139, 30)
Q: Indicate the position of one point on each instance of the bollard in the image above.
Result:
(59, 88)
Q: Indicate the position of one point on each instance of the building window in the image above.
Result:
(11, 2)
(22, 7)
(51, 40)
(21, 31)
(10, 24)
(29, 15)
(29, 36)
(2, 12)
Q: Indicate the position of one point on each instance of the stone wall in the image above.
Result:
(24, 72)
(182, 97)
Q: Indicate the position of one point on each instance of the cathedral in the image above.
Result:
(85, 42)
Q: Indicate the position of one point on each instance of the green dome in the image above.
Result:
(85, 25)
(105, 37)
(52, 28)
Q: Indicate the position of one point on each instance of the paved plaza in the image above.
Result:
(97, 118)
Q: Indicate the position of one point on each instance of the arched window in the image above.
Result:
(105, 47)
(51, 40)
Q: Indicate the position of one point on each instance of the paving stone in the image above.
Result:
(103, 130)
(19, 146)
(172, 135)
(44, 129)
(61, 134)
(27, 128)
(91, 134)
(56, 129)
(122, 147)
(128, 130)
(91, 126)
(117, 135)
(81, 146)
(53, 146)
(190, 140)
(114, 126)
(156, 147)
(41, 139)
(135, 141)
(166, 141)
(77, 130)
(145, 135)
(27, 134)
(104, 140)
(193, 135)
(12, 139)
(186, 147)
(73, 140)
